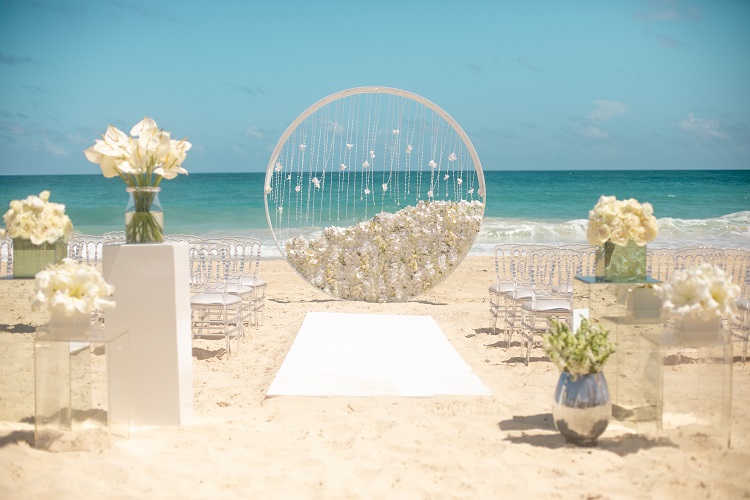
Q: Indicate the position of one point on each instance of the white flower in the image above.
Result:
(343, 167)
(459, 181)
(36, 219)
(277, 167)
(367, 191)
(391, 256)
(315, 182)
(700, 292)
(297, 188)
(372, 154)
(433, 164)
(430, 193)
(408, 149)
(396, 131)
(141, 160)
(620, 221)
(267, 190)
(71, 287)
(365, 164)
(349, 146)
(452, 157)
(302, 147)
(385, 186)
(446, 177)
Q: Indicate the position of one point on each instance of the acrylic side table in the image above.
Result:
(73, 410)
(695, 381)
(628, 311)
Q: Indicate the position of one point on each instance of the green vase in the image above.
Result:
(29, 259)
(621, 264)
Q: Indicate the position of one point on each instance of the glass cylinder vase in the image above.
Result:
(29, 258)
(618, 263)
(144, 218)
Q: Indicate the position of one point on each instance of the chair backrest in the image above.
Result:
(86, 249)
(693, 256)
(211, 264)
(504, 262)
(112, 237)
(6, 256)
(660, 263)
(736, 263)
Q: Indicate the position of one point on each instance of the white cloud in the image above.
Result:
(255, 133)
(704, 129)
(53, 149)
(606, 110)
(594, 133)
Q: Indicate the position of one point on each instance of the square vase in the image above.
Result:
(29, 259)
(621, 264)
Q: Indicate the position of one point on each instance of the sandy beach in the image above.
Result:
(243, 444)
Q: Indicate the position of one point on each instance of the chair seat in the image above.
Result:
(547, 305)
(520, 294)
(235, 288)
(250, 281)
(564, 289)
(499, 288)
(214, 299)
(743, 304)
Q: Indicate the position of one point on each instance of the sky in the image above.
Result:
(536, 85)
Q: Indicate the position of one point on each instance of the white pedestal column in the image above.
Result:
(153, 304)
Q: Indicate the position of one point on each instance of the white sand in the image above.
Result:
(245, 445)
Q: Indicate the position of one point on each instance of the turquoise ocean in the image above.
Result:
(693, 207)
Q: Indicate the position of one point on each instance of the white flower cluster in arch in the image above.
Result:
(391, 257)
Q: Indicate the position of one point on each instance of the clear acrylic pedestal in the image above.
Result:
(695, 403)
(628, 310)
(72, 408)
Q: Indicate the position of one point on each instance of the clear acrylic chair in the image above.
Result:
(6, 256)
(737, 265)
(215, 313)
(553, 271)
(504, 263)
(245, 259)
(525, 274)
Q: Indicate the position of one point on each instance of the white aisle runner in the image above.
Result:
(337, 354)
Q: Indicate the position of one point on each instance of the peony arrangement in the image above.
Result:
(391, 257)
(71, 287)
(620, 221)
(141, 160)
(579, 353)
(37, 219)
(702, 292)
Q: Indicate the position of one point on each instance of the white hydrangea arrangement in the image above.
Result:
(37, 219)
(620, 221)
(702, 292)
(579, 353)
(71, 287)
(391, 257)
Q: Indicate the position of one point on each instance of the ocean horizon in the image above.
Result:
(693, 207)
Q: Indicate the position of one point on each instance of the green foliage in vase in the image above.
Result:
(579, 353)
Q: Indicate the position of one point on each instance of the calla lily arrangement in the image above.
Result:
(142, 161)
